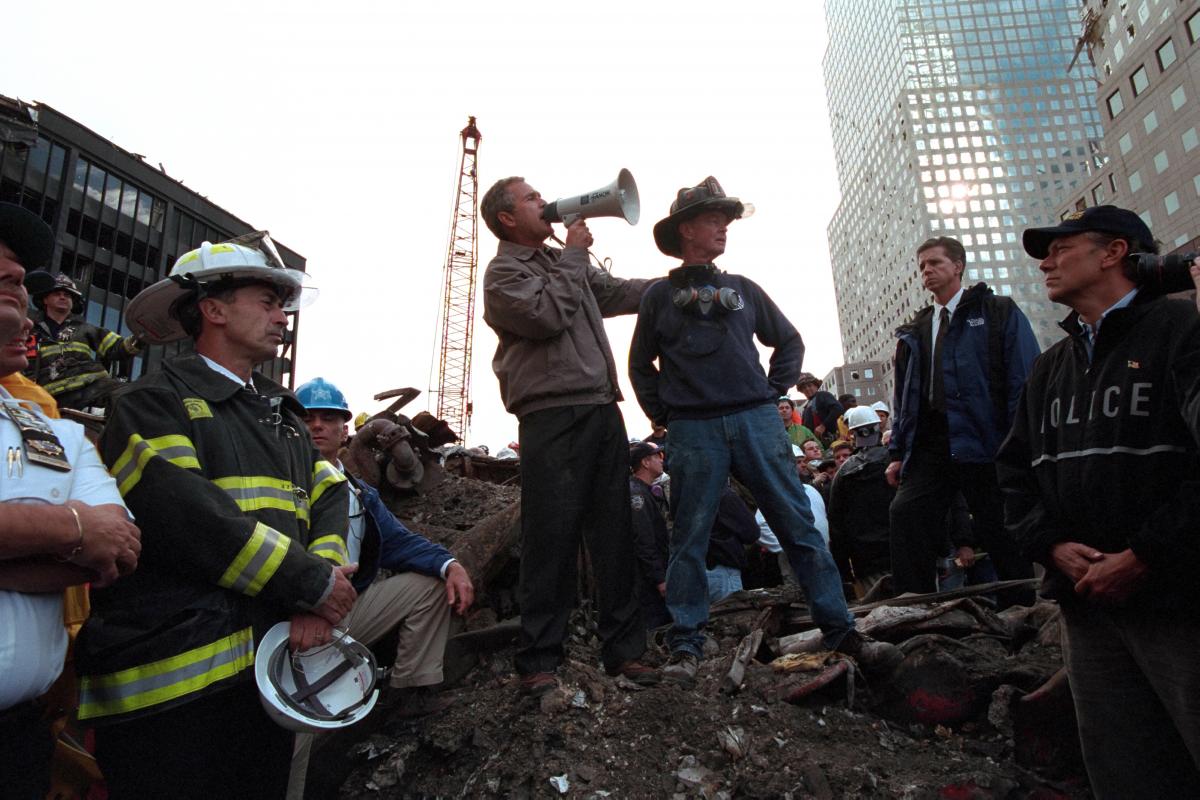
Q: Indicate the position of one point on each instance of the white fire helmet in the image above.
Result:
(152, 314)
(321, 689)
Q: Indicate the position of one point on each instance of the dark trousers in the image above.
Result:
(223, 745)
(918, 521)
(575, 487)
(25, 750)
(1135, 680)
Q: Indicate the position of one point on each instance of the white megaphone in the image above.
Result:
(618, 199)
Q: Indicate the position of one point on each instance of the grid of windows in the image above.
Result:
(948, 117)
(114, 235)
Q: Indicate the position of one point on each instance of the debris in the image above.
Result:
(733, 680)
(560, 783)
(734, 742)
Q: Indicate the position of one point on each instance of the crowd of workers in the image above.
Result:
(238, 574)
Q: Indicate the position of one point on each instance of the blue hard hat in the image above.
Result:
(321, 395)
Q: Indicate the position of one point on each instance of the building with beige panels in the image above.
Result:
(1147, 64)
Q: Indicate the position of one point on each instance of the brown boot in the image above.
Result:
(536, 684)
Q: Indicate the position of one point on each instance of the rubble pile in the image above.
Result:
(973, 710)
(972, 705)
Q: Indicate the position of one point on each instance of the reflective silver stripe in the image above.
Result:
(134, 464)
(259, 492)
(256, 562)
(125, 691)
(1110, 451)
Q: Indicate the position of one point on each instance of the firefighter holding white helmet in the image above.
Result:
(243, 528)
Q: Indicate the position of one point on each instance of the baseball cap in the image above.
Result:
(26, 235)
(1102, 219)
(639, 450)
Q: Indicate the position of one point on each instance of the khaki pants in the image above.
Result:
(416, 604)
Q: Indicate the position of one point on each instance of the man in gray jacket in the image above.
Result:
(558, 377)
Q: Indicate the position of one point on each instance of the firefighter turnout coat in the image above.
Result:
(79, 355)
(241, 525)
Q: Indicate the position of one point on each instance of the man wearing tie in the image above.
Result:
(960, 365)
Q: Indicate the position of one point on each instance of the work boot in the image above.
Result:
(682, 668)
(413, 702)
(637, 672)
(869, 654)
(536, 684)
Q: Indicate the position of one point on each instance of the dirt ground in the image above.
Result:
(599, 737)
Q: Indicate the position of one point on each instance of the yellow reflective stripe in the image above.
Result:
(254, 492)
(324, 476)
(107, 343)
(159, 681)
(127, 469)
(66, 347)
(332, 547)
(73, 382)
(256, 562)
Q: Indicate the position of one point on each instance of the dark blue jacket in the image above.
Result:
(976, 420)
(708, 363)
(390, 545)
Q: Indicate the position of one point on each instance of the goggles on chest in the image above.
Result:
(705, 298)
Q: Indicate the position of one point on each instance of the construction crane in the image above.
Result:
(458, 292)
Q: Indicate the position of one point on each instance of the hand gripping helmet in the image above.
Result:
(321, 689)
(153, 314)
(321, 395)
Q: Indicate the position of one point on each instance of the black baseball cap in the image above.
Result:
(1101, 219)
(639, 450)
(26, 235)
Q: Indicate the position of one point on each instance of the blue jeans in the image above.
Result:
(755, 448)
(722, 582)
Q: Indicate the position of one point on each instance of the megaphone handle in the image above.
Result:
(570, 219)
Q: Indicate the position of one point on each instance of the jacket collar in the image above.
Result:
(519, 251)
(211, 385)
(973, 296)
(1119, 319)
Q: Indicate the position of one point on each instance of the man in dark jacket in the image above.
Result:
(650, 535)
(859, 529)
(719, 407)
(1102, 485)
(821, 412)
(73, 356)
(960, 364)
(558, 377)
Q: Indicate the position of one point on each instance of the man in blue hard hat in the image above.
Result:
(425, 583)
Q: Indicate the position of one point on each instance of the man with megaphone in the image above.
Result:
(718, 404)
(558, 377)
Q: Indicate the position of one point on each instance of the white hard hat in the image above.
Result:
(879, 405)
(861, 417)
(321, 689)
(151, 315)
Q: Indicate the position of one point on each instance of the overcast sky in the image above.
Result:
(335, 126)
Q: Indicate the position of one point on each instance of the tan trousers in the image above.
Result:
(416, 604)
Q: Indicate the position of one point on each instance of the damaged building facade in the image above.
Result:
(119, 223)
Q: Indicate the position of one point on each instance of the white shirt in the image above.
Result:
(951, 304)
(767, 537)
(223, 371)
(33, 641)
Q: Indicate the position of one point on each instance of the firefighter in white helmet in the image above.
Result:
(243, 527)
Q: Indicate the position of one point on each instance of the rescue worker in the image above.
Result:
(72, 357)
(423, 583)
(243, 525)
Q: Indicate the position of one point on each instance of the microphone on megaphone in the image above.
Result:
(617, 199)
